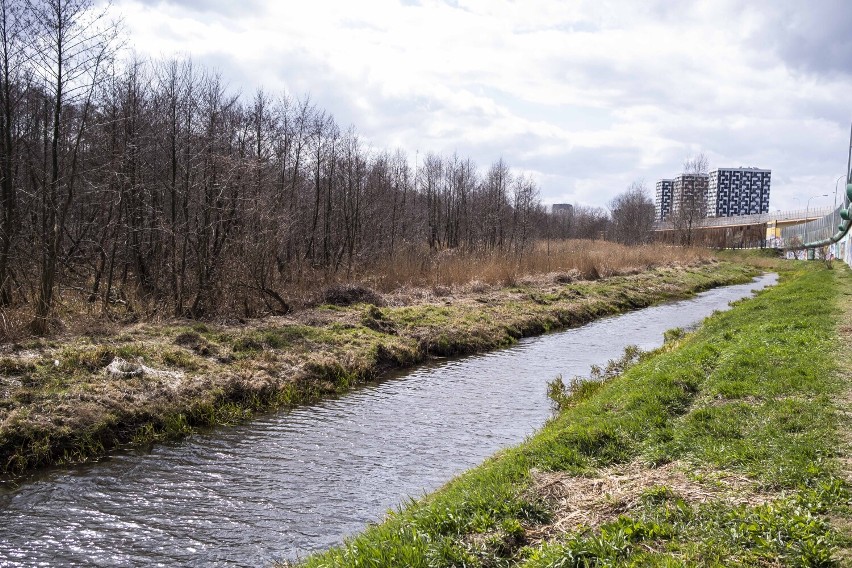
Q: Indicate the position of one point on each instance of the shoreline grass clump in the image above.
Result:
(564, 396)
(720, 448)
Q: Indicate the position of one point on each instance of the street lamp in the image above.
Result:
(808, 206)
(835, 189)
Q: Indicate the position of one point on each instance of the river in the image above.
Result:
(292, 482)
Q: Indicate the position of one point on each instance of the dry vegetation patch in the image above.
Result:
(563, 261)
(406, 278)
(588, 502)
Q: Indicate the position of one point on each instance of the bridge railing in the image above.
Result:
(739, 220)
(817, 230)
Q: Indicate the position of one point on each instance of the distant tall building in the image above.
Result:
(738, 191)
(663, 202)
(690, 191)
(562, 209)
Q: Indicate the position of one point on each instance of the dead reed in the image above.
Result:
(583, 259)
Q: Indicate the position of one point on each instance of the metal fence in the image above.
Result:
(766, 217)
(757, 219)
(822, 228)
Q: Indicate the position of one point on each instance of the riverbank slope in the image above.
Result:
(73, 399)
(728, 446)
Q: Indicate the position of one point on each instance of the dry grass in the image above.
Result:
(73, 315)
(588, 502)
(578, 259)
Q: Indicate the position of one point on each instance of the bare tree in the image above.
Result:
(73, 43)
(632, 215)
(15, 30)
(579, 222)
(689, 198)
(431, 176)
(525, 194)
(153, 186)
(496, 191)
(589, 223)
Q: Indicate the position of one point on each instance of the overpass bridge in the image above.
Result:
(826, 228)
(761, 230)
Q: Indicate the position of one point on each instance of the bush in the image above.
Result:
(348, 294)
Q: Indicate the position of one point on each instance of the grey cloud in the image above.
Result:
(791, 149)
(585, 162)
(776, 145)
(648, 84)
(814, 36)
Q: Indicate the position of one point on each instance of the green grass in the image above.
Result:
(668, 531)
(749, 394)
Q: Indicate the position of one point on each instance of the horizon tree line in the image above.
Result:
(153, 179)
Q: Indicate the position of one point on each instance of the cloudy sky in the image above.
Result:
(588, 96)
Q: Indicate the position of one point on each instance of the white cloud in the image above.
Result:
(586, 95)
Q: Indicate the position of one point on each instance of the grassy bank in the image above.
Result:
(725, 447)
(76, 398)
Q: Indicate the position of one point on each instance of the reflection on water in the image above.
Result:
(299, 481)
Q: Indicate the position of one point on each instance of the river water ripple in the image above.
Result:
(287, 484)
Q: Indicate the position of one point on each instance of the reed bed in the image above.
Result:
(585, 259)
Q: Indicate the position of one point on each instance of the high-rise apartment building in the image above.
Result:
(725, 192)
(689, 194)
(663, 202)
(738, 191)
(562, 209)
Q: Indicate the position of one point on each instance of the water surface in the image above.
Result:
(294, 482)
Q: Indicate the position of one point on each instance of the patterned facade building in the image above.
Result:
(738, 191)
(690, 192)
(663, 202)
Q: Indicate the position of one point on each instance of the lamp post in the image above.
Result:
(808, 206)
(835, 188)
